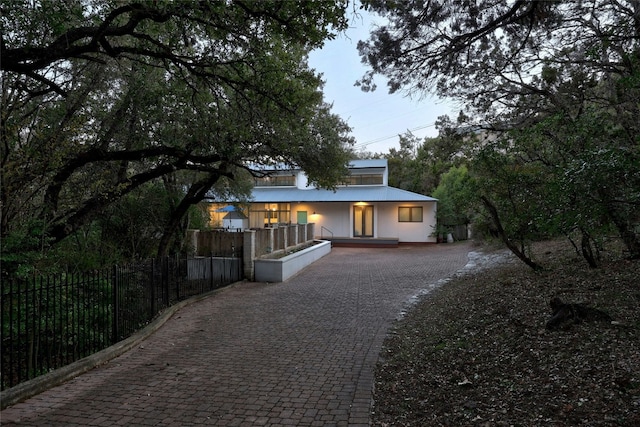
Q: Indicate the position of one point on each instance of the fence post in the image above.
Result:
(249, 253)
(166, 281)
(211, 281)
(152, 284)
(115, 326)
(272, 241)
(285, 237)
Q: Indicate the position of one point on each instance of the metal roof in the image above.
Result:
(368, 163)
(373, 193)
(353, 164)
(235, 215)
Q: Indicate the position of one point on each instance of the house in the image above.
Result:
(362, 210)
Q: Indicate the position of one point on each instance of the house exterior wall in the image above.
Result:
(301, 180)
(280, 201)
(336, 220)
(410, 232)
(235, 223)
(334, 217)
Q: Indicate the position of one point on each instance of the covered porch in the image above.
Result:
(363, 242)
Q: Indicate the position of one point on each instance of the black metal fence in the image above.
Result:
(51, 321)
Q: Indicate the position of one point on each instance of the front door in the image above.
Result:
(363, 221)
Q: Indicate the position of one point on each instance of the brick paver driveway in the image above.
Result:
(300, 352)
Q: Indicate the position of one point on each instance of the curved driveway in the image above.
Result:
(298, 353)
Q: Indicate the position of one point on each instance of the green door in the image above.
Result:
(302, 217)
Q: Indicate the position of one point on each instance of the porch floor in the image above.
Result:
(363, 242)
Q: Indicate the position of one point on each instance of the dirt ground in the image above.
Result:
(477, 351)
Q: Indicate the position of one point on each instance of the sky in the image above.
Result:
(376, 118)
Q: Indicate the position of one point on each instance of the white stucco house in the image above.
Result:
(363, 210)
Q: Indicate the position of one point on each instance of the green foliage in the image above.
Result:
(22, 250)
(105, 102)
(538, 79)
(456, 197)
(405, 172)
(517, 189)
(419, 164)
(562, 176)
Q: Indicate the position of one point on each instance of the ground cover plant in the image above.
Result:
(477, 351)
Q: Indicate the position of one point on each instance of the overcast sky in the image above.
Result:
(376, 118)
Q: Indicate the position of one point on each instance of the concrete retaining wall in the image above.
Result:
(281, 269)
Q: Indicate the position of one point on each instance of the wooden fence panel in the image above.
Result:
(218, 243)
(263, 241)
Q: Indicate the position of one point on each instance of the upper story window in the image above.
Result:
(276, 181)
(366, 179)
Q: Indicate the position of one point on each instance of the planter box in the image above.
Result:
(280, 269)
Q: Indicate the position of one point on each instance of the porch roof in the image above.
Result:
(374, 193)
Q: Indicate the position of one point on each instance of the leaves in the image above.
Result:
(555, 87)
(475, 352)
(120, 96)
(455, 195)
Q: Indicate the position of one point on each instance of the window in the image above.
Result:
(410, 214)
(273, 213)
(276, 181)
(369, 179)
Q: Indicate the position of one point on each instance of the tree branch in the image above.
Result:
(29, 59)
(100, 155)
(493, 211)
(196, 193)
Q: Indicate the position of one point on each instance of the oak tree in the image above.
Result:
(102, 97)
(563, 74)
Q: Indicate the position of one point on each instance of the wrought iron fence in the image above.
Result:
(51, 321)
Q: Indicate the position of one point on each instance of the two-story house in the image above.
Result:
(363, 210)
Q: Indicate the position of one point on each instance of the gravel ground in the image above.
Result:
(476, 352)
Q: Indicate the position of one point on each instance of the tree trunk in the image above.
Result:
(621, 219)
(503, 235)
(195, 195)
(587, 251)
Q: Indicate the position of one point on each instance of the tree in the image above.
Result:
(403, 170)
(455, 194)
(491, 54)
(562, 176)
(516, 65)
(512, 193)
(101, 98)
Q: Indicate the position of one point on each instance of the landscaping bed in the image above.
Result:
(477, 352)
(280, 268)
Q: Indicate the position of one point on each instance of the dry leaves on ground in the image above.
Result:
(476, 351)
